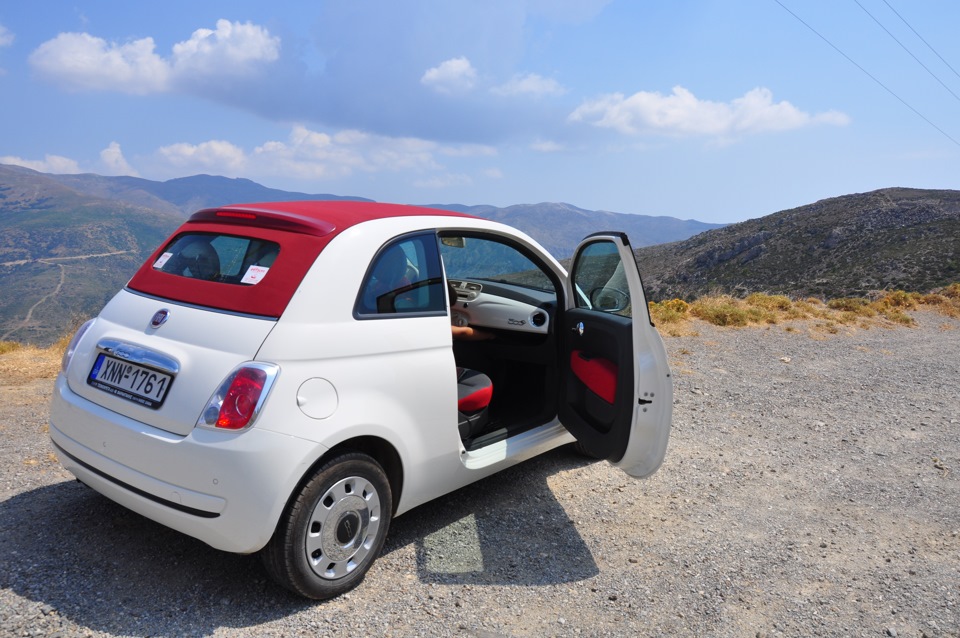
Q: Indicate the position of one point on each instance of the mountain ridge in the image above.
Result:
(852, 245)
(72, 241)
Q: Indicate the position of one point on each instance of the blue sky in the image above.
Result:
(705, 109)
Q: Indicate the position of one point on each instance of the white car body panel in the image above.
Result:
(206, 344)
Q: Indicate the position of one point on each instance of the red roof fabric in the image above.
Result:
(302, 229)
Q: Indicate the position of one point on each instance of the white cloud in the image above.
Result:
(456, 75)
(681, 113)
(231, 49)
(546, 146)
(6, 37)
(311, 155)
(529, 84)
(217, 156)
(114, 162)
(308, 154)
(49, 164)
(79, 61)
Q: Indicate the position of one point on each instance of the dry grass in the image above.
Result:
(675, 316)
(21, 363)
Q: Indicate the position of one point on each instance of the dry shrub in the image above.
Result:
(666, 312)
(898, 316)
(721, 310)
(769, 302)
(9, 346)
(899, 299)
(849, 304)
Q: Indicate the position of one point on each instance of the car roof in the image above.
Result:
(301, 228)
(312, 217)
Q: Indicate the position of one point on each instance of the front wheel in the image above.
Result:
(333, 529)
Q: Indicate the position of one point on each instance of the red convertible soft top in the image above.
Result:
(301, 229)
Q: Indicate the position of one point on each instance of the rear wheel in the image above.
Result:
(333, 529)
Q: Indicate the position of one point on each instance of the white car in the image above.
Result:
(284, 378)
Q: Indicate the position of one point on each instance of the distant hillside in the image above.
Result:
(185, 194)
(844, 246)
(63, 254)
(69, 242)
(560, 227)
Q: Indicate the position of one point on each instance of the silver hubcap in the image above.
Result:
(343, 527)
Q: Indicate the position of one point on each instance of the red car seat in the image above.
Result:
(474, 391)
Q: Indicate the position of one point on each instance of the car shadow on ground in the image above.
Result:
(106, 568)
(508, 529)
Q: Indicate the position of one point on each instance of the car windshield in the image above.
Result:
(484, 259)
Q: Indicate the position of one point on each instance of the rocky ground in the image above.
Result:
(811, 489)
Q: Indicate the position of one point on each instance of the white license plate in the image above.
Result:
(130, 381)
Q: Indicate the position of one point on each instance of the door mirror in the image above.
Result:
(609, 299)
(599, 269)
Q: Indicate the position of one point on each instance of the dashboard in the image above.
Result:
(502, 305)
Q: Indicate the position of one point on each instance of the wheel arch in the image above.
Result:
(380, 450)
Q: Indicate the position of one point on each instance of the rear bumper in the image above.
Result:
(225, 489)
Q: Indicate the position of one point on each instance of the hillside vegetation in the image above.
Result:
(890, 239)
(673, 317)
(63, 254)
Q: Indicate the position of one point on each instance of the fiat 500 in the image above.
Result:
(285, 378)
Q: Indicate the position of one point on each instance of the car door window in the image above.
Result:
(600, 280)
(405, 277)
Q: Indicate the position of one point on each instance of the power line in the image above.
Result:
(868, 74)
(922, 40)
(902, 46)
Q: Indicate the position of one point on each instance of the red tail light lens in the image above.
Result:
(237, 402)
(241, 399)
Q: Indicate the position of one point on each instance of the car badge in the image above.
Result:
(159, 318)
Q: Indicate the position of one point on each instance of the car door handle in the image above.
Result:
(578, 328)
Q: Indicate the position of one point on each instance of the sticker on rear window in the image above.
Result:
(254, 274)
(162, 260)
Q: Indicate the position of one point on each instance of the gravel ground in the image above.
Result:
(811, 489)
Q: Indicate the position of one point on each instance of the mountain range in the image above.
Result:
(894, 238)
(69, 242)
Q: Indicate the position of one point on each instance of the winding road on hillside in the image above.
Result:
(54, 261)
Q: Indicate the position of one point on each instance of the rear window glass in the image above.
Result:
(227, 259)
(245, 269)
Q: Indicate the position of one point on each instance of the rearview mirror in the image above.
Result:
(453, 242)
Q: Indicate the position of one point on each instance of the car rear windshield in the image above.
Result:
(243, 269)
(229, 259)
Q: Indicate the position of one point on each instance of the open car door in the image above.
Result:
(616, 394)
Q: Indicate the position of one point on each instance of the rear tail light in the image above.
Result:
(238, 401)
(68, 353)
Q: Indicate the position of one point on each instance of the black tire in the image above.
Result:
(333, 528)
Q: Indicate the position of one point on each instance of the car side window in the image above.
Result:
(405, 277)
(599, 280)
